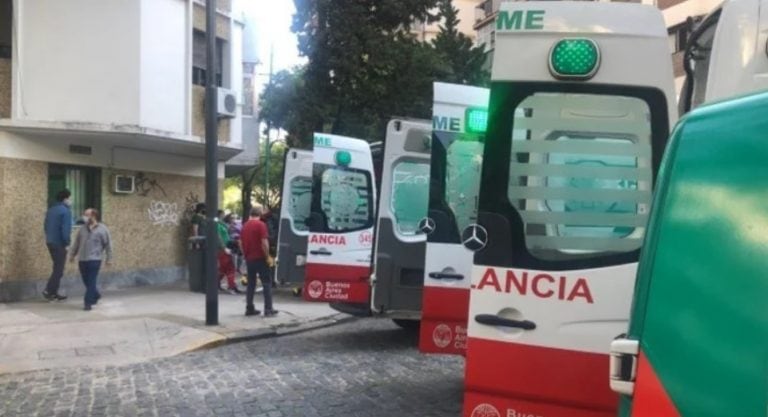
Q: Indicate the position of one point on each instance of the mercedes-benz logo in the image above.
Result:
(427, 225)
(474, 237)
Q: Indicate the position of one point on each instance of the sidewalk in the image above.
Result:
(136, 325)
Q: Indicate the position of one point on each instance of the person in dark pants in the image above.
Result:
(92, 242)
(255, 241)
(58, 228)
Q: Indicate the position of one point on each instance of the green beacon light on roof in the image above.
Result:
(476, 120)
(343, 158)
(574, 58)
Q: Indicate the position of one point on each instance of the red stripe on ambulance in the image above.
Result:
(538, 284)
(444, 320)
(342, 283)
(521, 380)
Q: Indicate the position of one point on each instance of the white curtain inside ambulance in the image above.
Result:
(301, 202)
(464, 159)
(410, 196)
(580, 173)
(346, 199)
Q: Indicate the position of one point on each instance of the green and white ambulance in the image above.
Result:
(582, 103)
(698, 340)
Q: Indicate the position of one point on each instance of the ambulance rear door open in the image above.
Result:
(341, 222)
(400, 244)
(459, 117)
(296, 200)
(582, 100)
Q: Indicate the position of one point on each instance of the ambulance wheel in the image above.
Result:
(410, 325)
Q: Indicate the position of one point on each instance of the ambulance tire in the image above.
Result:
(409, 325)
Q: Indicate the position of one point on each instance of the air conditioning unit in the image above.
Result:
(226, 103)
(125, 184)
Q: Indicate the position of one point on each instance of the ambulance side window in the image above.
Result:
(464, 161)
(410, 196)
(301, 200)
(580, 174)
(346, 199)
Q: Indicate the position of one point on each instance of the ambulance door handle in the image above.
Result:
(320, 253)
(494, 320)
(445, 275)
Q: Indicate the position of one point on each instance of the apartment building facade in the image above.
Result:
(426, 32)
(106, 99)
(678, 15)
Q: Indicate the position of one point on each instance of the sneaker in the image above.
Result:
(87, 308)
(251, 312)
(238, 291)
(270, 313)
(232, 291)
(53, 297)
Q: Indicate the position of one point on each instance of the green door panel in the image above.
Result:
(701, 302)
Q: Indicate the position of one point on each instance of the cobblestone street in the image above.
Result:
(365, 368)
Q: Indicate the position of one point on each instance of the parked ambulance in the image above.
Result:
(704, 354)
(727, 54)
(460, 116)
(582, 101)
(341, 220)
(698, 339)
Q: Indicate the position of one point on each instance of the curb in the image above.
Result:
(276, 331)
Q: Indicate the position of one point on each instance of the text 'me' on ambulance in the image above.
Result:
(582, 101)
(698, 337)
(460, 117)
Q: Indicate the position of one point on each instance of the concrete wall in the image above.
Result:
(164, 70)
(5, 88)
(149, 232)
(79, 60)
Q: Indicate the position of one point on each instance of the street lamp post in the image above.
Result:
(211, 169)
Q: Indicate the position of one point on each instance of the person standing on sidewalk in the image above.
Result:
(92, 242)
(226, 264)
(58, 229)
(255, 242)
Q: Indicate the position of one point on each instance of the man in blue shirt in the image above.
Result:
(58, 229)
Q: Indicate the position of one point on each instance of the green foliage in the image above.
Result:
(464, 61)
(251, 182)
(365, 67)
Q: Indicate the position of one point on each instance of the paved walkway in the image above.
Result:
(132, 326)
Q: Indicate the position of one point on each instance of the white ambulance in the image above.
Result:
(341, 221)
(460, 115)
(727, 54)
(582, 102)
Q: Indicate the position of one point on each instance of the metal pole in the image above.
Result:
(211, 169)
(269, 131)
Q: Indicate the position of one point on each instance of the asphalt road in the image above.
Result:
(364, 368)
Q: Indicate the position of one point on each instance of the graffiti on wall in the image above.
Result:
(163, 214)
(145, 185)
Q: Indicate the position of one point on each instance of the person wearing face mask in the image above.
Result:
(58, 228)
(93, 241)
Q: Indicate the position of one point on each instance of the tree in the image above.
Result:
(464, 62)
(251, 182)
(283, 105)
(364, 67)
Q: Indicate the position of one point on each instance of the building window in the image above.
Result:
(199, 56)
(83, 182)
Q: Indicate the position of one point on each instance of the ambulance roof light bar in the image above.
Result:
(476, 120)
